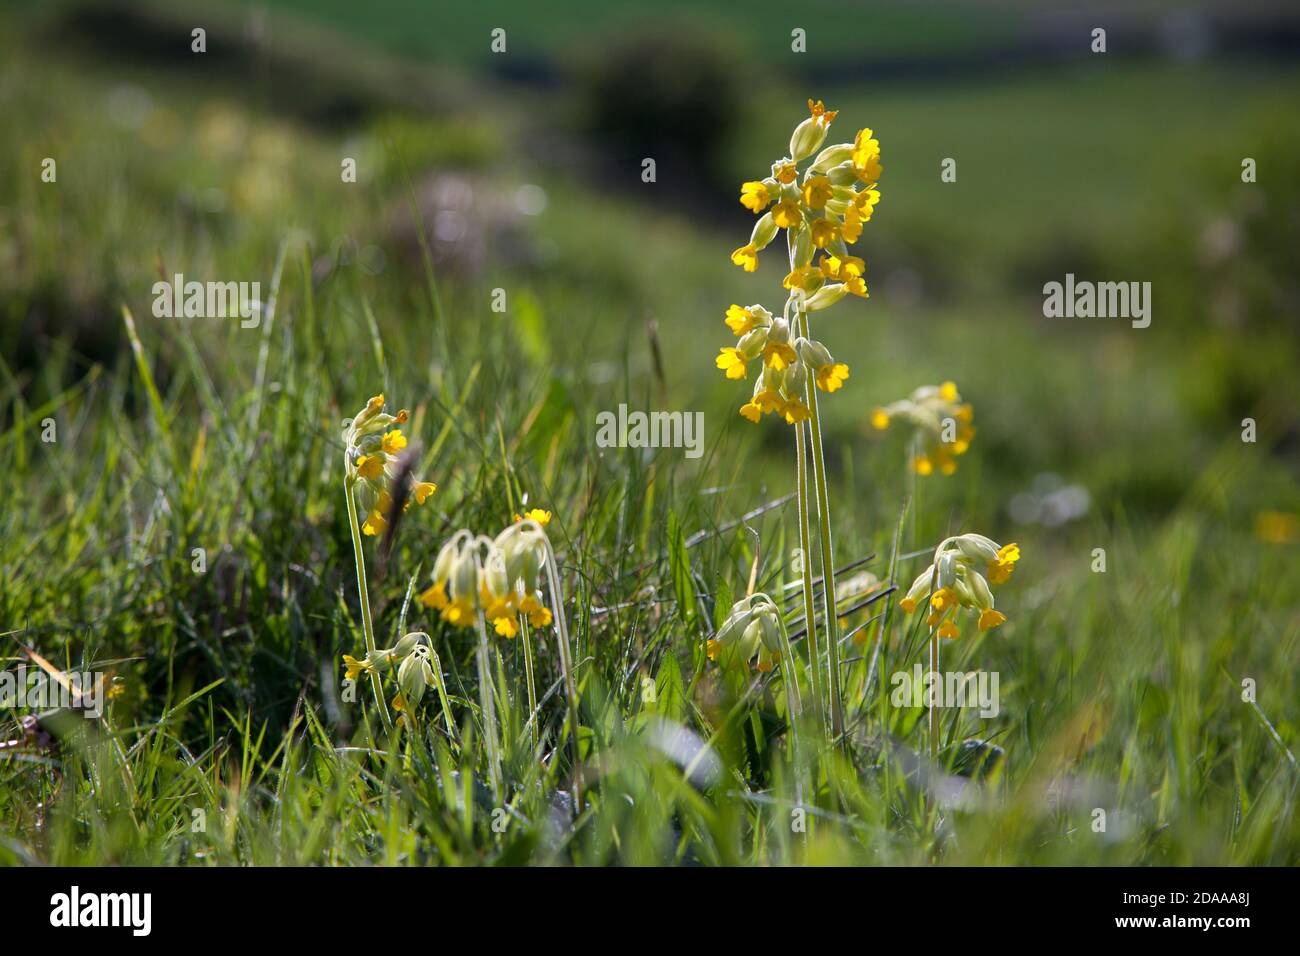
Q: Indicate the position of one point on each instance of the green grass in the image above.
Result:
(1120, 690)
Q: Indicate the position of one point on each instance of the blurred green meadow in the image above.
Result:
(1121, 689)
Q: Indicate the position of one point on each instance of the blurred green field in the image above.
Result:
(1120, 690)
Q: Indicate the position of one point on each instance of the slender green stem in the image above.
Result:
(527, 640)
(566, 665)
(934, 669)
(442, 694)
(827, 548)
(488, 705)
(367, 625)
(805, 561)
(794, 709)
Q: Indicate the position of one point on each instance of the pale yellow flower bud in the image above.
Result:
(807, 138)
(764, 231)
(825, 297)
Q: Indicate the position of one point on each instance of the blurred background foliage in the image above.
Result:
(523, 170)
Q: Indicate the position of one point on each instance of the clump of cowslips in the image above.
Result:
(941, 426)
(410, 657)
(752, 629)
(822, 213)
(960, 576)
(499, 577)
(374, 440)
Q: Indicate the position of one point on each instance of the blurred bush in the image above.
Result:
(671, 92)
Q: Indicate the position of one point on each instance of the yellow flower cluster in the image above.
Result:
(821, 211)
(410, 656)
(752, 629)
(959, 576)
(826, 210)
(501, 578)
(787, 365)
(941, 424)
(373, 443)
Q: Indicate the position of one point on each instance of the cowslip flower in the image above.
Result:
(751, 630)
(827, 208)
(823, 209)
(500, 578)
(385, 659)
(374, 441)
(787, 367)
(959, 577)
(941, 425)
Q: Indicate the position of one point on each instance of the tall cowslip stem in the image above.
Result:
(372, 440)
(477, 580)
(822, 209)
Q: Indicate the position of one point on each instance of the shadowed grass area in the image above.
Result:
(232, 739)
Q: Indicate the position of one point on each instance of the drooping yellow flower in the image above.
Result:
(990, 619)
(866, 157)
(847, 270)
(807, 279)
(375, 524)
(831, 377)
(543, 518)
(394, 441)
(739, 320)
(422, 490)
(435, 597)
(943, 599)
(776, 356)
(824, 232)
(731, 361)
(851, 229)
(795, 411)
(370, 467)
(746, 257)
(505, 626)
(786, 214)
(785, 172)
(879, 419)
(1000, 568)
(754, 196)
(865, 201)
(353, 668)
(817, 192)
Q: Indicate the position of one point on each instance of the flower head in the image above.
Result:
(941, 426)
(752, 630)
(373, 445)
(499, 578)
(959, 577)
(822, 206)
